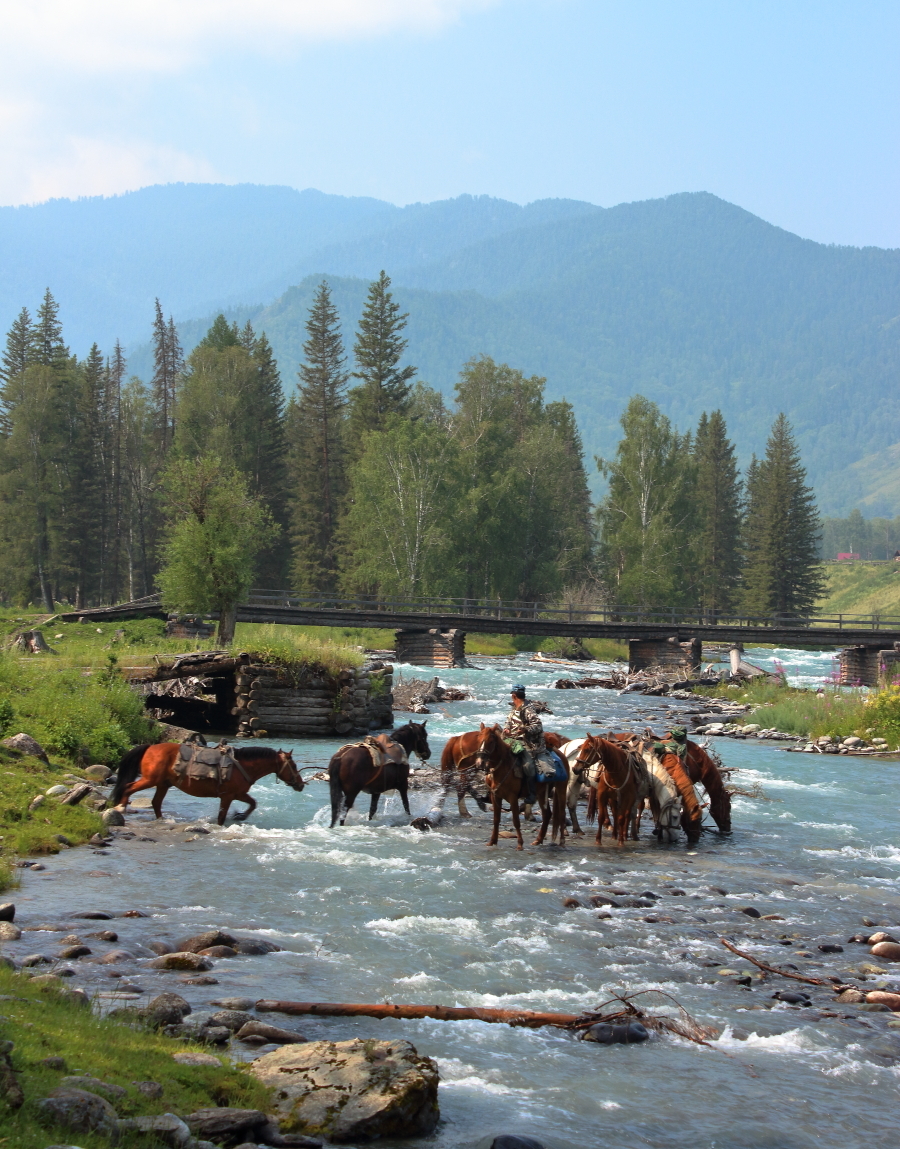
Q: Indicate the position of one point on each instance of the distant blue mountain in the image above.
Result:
(689, 300)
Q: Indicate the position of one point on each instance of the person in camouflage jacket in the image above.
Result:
(523, 726)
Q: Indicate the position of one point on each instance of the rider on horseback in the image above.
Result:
(524, 732)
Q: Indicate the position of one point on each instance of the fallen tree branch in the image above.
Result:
(522, 1017)
(830, 983)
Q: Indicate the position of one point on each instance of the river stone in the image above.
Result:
(225, 1124)
(511, 1141)
(94, 1085)
(233, 1019)
(25, 744)
(92, 915)
(54, 791)
(80, 1111)
(242, 1003)
(165, 1009)
(115, 956)
(203, 941)
(219, 952)
(852, 742)
(258, 1030)
(35, 959)
(7, 911)
(256, 946)
(889, 951)
(165, 1127)
(352, 1090)
(850, 997)
(97, 773)
(105, 935)
(884, 997)
(191, 1058)
(750, 911)
(112, 817)
(71, 952)
(9, 932)
(880, 936)
(181, 960)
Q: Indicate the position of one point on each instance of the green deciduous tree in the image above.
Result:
(782, 576)
(385, 385)
(646, 517)
(718, 516)
(316, 434)
(215, 529)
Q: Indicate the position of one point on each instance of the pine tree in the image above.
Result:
(111, 471)
(167, 365)
(316, 432)
(19, 343)
(782, 576)
(48, 347)
(718, 508)
(83, 513)
(385, 387)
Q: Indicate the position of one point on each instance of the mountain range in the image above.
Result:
(689, 300)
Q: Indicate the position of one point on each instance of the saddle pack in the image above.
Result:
(206, 763)
(550, 767)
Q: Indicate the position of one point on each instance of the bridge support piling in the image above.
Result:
(866, 665)
(668, 653)
(431, 647)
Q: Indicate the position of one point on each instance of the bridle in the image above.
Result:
(582, 764)
(287, 761)
(481, 760)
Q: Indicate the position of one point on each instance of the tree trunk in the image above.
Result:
(523, 1017)
(227, 621)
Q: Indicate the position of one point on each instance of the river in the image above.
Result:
(379, 911)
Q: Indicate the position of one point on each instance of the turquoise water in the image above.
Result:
(378, 911)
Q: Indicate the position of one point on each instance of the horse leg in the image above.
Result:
(462, 784)
(373, 806)
(559, 814)
(139, 784)
(497, 803)
(349, 799)
(224, 804)
(161, 790)
(517, 825)
(544, 804)
(251, 806)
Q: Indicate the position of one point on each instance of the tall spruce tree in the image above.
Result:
(717, 494)
(385, 385)
(316, 431)
(19, 343)
(168, 362)
(782, 576)
(111, 472)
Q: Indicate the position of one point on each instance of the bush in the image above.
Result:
(882, 714)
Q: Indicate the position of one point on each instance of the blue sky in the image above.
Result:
(789, 109)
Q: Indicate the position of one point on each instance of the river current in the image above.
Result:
(377, 911)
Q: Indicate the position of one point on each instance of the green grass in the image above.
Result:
(860, 588)
(291, 647)
(43, 1023)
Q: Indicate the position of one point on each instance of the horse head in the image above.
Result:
(420, 746)
(287, 770)
(488, 739)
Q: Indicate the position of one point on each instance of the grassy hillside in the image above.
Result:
(860, 588)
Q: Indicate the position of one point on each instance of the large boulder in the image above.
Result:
(198, 942)
(9, 932)
(225, 1125)
(165, 1127)
(181, 960)
(7, 911)
(25, 744)
(79, 1111)
(165, 1009)
(352, 1090)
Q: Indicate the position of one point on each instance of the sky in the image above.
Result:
(788, 108)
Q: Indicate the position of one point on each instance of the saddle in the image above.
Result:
(206, 763)
(382, 750)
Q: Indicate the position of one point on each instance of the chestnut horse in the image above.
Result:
(459, 757)
(352, 770)
(620, 783)
(703, 770)
(146, 766)
(503, 776)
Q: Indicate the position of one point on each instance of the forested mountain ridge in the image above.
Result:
(688, 300)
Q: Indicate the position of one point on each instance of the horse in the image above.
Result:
(352, 770)
(154, 765)
(703, 770)
(459, 757)
(503, 777)
(620, 783)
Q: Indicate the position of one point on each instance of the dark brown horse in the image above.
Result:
(146, 766)
(503, 776)
(352, 770)
(703, 770)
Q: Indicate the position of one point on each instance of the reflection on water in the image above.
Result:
(377, 911)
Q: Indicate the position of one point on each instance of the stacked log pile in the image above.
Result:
(445, 649)
(276, 701)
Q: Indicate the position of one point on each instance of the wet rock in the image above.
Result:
(35, 959)
(256, 946)
(225, 1124)
(884, 997)
(25, 744)
(606, 1034)
(115, 956)
(71, 952)
(181, 960)
(136, 913)
(859, 939)
(719, 890)
(79, 1111)
(353, 1090)
(572, 904)
(602, 900)
(242, 1003)
(260, 1030)
(875, 1007)
(198, 942)
(750, 911)
(852, 742)
(105, 935)
(679, 893)
(638, 903)
(511, 1141)
(92, 915)
(888, 951)
(7, 911)
(850, 997)
(112, 817)
(831, 948)
(160, 948)
(94, 1085)
(191, 1058)
(165, 1128)
(208, 1034)
(9, 932)
(219, 952)
(203, 979)
(869, 967)
(880, 936)
(150, 1089)
(165, 1009)
(792, 997)
(232, 1019)
(196, 830)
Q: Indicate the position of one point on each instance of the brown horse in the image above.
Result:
(146, 766)
(352, 770)
(618, 784)
(703, 770)
(502, 775)
(459, 758)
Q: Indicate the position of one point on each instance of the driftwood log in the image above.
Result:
(523, 1017)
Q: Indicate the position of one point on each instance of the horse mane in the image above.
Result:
(248, 752)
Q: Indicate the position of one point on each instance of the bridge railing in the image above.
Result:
(517, 610)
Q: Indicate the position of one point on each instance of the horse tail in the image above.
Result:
(591, 805)
(128, 770)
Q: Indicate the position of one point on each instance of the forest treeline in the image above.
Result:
(205, 480)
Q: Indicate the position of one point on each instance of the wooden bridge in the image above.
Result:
(496, 616)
